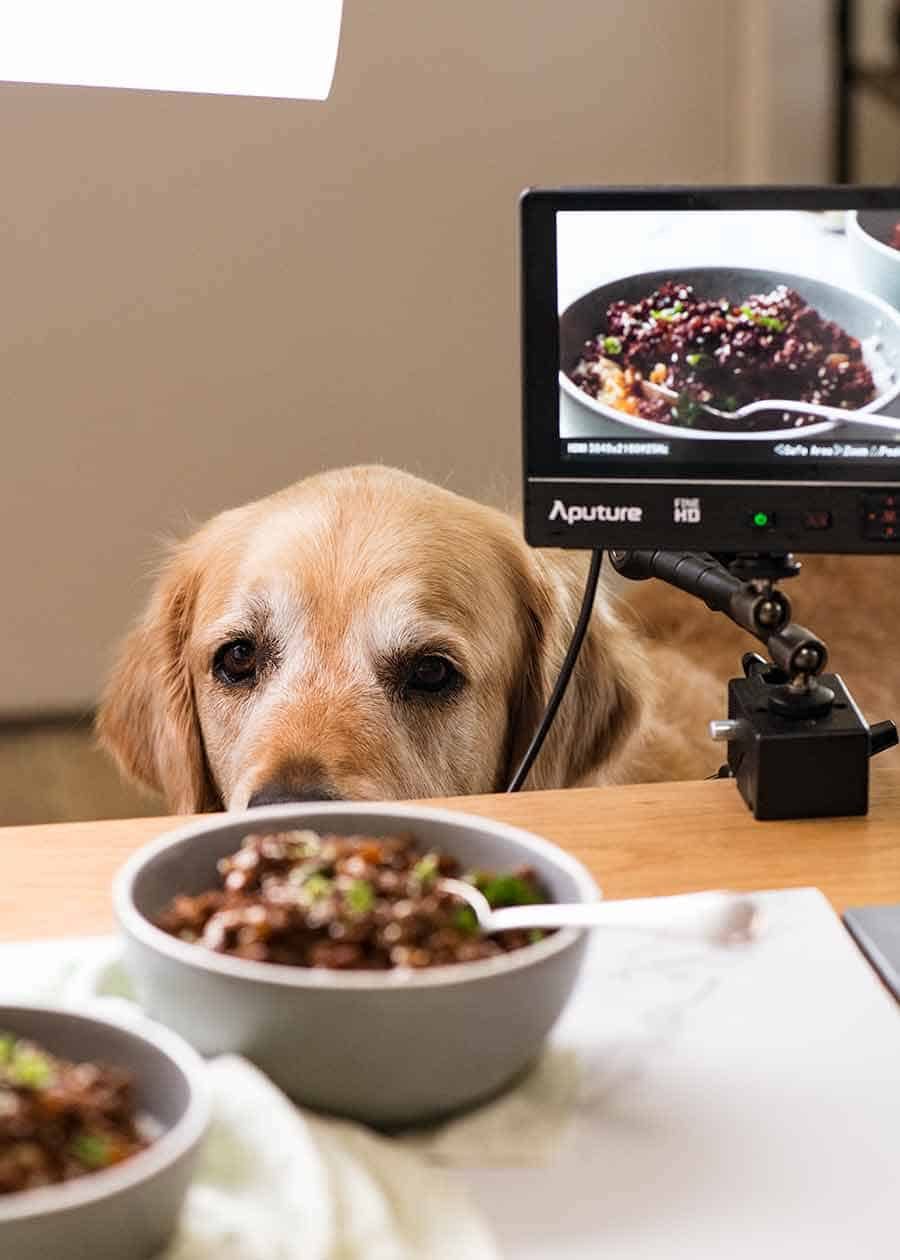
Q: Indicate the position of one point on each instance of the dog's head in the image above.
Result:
(363, 635)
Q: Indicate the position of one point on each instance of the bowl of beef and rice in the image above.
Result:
(726, 337)
(317, 940)
(101, 1126)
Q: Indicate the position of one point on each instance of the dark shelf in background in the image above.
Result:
(884, 83)
(850, 78)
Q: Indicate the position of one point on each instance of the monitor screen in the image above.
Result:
(672, 343)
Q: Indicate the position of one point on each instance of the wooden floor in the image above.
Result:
(53, 772)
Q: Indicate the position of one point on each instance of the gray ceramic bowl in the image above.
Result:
(863, 316)
(877, 264)
(130, 1210)
(390, 1049)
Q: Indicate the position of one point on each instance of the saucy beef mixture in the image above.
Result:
(60, 1120)
(361, 902)
(772, 345)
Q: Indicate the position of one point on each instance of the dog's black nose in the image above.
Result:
(290, 793)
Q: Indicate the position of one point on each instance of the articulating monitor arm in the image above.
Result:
(798, 746)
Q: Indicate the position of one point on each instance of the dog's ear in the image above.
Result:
(602, 704)
(147, 717)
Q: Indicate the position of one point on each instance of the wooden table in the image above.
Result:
(638, 841)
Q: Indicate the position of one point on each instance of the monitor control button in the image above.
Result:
(881, 517)
(762, 521)
(818, 519)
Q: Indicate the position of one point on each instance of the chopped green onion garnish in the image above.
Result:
(670, 311)
(612, 345)
(7, 1048)
(426, 869)
(697, 360)
(314, 887)
(360, 896)
(509, 890)
(29, 1069)
(764, 321)
(686, 410)
(91, 1150)
(464, 920)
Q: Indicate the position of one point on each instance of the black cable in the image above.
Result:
(565, 673)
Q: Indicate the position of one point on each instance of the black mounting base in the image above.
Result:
(801, 766)
(797, 744)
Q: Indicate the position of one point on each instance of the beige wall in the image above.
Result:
(784, 73)
(203, 299)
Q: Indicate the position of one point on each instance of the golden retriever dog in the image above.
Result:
(364, 634)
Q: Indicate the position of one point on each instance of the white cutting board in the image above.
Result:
(742, 1106)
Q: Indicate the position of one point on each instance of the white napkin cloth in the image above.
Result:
(276, 1184)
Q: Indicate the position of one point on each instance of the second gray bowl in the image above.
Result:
(131, 1209)
(390, 1049)
(877, 263)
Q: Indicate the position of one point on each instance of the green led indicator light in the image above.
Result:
(761, 519)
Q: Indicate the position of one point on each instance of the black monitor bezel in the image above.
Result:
(540, 319)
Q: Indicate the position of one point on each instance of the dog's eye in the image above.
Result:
(432, 674)
(235, 662)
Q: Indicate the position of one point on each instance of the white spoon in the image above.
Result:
(819, 410)
(716, 918)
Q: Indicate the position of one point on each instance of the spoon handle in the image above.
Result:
(821, 410)
(716, 917)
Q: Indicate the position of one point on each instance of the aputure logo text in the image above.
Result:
(575, 513)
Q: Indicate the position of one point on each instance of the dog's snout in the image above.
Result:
(279, 793)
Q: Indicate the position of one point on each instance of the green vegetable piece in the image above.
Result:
(426, 869)
(315, 887)
(612, 345)
(7, 1048)
(30, 1069)
(91, 1149)
(764, 321)
(464, 921)
(686, 410)
(669, 312)
(360, 896)
(535, 935)
(697, 360)
(510, 890)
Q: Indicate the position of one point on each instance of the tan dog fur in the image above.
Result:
(346, 577)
